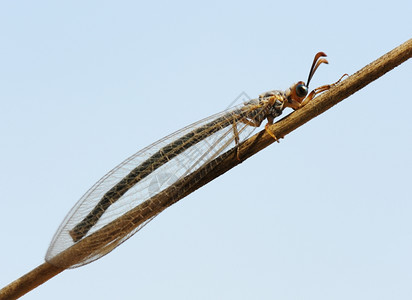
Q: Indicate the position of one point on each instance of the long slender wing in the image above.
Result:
(147, 173)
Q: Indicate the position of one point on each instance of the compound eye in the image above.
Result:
(301, 90)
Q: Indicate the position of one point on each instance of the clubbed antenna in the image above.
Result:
(316, 63)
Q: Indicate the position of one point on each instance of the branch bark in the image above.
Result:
(227, 161)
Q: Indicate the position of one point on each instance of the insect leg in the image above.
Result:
(270, 122)
(320, 90)
(257, 122)
(236, 135)
(253, 123)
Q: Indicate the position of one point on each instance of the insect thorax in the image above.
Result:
(269, 104)
(277, 98)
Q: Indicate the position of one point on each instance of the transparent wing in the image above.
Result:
(147, 173)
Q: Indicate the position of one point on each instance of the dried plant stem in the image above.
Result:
(29, 281)
(227, 161)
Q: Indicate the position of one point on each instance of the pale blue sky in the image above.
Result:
(325, 214)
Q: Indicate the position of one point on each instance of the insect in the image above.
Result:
(130, 187)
